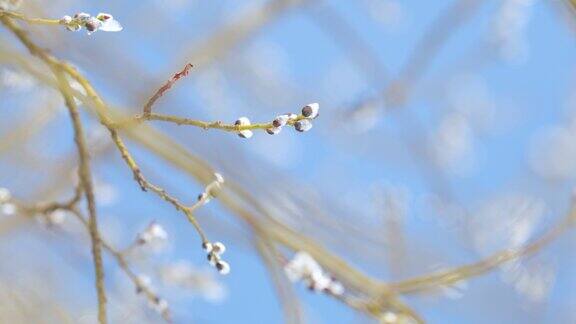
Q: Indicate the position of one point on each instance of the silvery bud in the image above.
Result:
(311, 110)
(303, 125)
(244, 121)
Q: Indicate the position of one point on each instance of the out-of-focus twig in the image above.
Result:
(289, 302)
(451, 276)
(71, 206)
(27, 129)
(152, 297)
(230, 35)
(397, 91)
(342, 34)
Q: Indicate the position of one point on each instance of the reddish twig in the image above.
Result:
(148, 107)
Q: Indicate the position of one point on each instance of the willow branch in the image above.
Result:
(451, 276)
(160, 92)
(85, 176)
(71, 206)
(102, 113)
(32, 21)
(84, 172)
(125, 266)
(203, 124)
(289, 302)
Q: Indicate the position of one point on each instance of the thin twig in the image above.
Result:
(101, 110)
(160, 92)
(451, 276)
(125, 266)
(206, 125)
(84, 172)
(85, 176)
(71, 206)
(289, 302)
(33, 21)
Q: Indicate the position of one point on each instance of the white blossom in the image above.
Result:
(212, 259)
(453, 144)
(196, 281)
(154, 233)
(16, 80)
(273, 130)
(219, 178)
(144, 282)
(506, 222)
(5, 195)
(207, 246)
(303, 125)
(66, 20)
(311, 110)
(552, 152)
(389, 317)
(81, 17)
(215, 251)
(102, 21)
(108, 23)
(318, 281)
(301, 265)
(336, 288)
(70, 26)
(92, 25)
(218, 248)
(223, 267)
(204, 198)
(161, 306)
(56, 217)
(280, 121)
(304, 268)
(533, 281)
(106, 193)
(510, 29)
(291, 116)
(244, 121)
(8, 209)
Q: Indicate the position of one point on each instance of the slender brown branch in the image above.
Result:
(212, 125)
(125, 266)
(71, 206)
(102, 112)
(160, 92)
(70, 203)
(85, 176)
(84, 172)
(149, 116)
